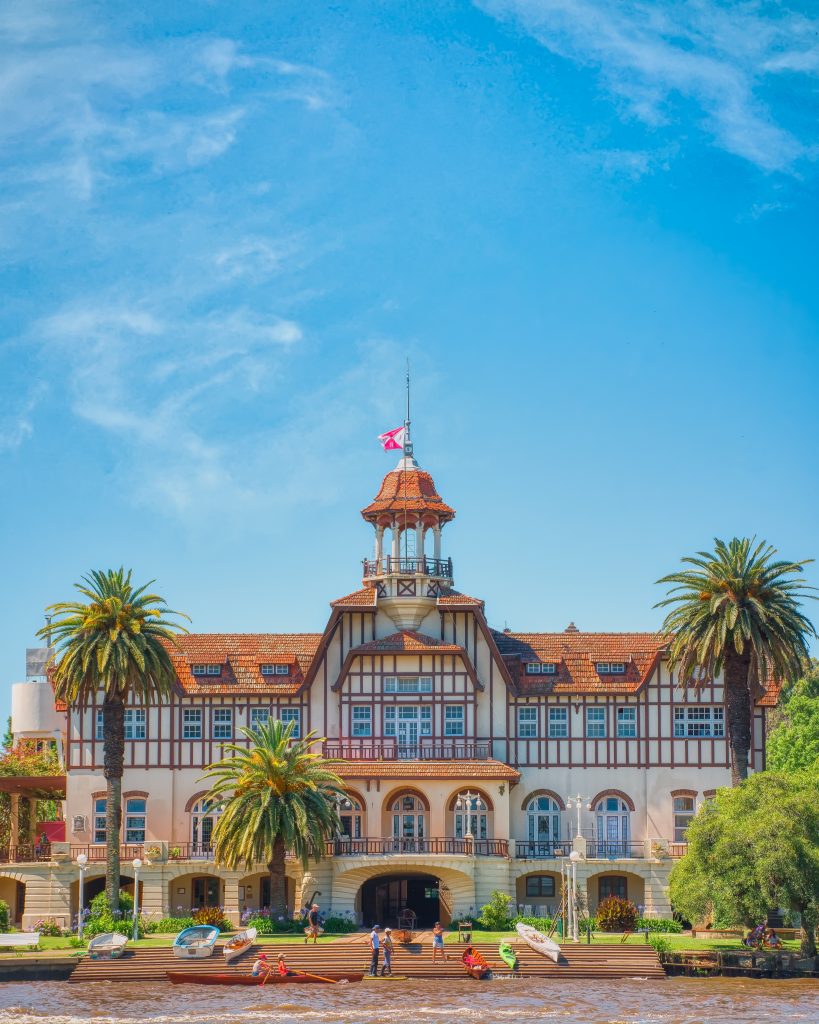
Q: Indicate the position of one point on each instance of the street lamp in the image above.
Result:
(576, 803)
(137, 864)
(82, 861)
(574, 857)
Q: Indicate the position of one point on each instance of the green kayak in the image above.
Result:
(507, 954)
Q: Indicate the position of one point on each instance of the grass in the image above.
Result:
(61, 946)
(676, 942)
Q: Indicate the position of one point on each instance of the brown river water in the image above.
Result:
(673, 1001)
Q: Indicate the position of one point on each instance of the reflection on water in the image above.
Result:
(674, 1001)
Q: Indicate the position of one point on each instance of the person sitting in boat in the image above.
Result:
(282, 966)
(261, 966)
(469, 957)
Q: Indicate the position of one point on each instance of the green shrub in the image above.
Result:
(494, 916)
(48, 926)
(99, 905)
(4, 916)
(265, 924)
(660, 944)
(337, 925)
(543, 924)
(615, 914)
(659, 925)
(212, 915)
(76, 942)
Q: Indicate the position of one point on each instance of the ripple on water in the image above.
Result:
(673, 1001)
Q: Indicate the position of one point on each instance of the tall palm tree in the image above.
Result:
(736, 612)
(115, 645)
(275, 796)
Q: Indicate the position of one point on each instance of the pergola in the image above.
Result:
(31, 788)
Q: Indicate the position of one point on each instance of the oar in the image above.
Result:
(318, 977)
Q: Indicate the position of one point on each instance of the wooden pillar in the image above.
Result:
(15, 819)
(32, 819)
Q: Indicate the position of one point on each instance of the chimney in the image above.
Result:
(571, 628)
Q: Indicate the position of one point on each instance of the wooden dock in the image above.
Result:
(413, 960)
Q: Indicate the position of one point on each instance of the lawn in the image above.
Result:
(675, 941)
(61, 946)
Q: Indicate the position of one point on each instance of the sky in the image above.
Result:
(224, 227)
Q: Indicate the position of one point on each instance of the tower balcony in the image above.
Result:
(434, 568)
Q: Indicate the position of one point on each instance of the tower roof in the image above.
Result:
(407, 488)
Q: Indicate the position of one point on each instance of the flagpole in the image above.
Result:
(407, 452)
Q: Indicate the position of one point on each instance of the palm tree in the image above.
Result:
(736, 611)
(115, 646)
(275, 796)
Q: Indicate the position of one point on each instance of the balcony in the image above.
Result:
(529, 850)
(602, 850)
(25, 853)
(97, 852)
(385, 750)
(384, 847)
(438, 568)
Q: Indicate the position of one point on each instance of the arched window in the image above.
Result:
(543, 815)
(351, 815)
(203, 821)
(684, 811)
(409, 821)
(613, 829)
(470, 816)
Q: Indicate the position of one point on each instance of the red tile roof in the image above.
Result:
(410, 490)
(409, 641)
(425, 770)
(577, 655)
(454, 598)
(364, 598)
(241, 655)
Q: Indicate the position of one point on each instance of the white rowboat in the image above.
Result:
(538, 941)
(195, 943)
(107, 946)
(240, 943)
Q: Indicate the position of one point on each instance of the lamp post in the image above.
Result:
(137, 864)
(574, 857)
(576, 803)
(82, 861)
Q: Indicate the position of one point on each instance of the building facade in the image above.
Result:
(475, 759)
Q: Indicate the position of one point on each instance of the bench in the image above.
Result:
(19, 940)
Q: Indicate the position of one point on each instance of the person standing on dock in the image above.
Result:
(438, 942)
(374, 944)
(388, 947)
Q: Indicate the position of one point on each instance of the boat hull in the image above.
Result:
(539, 942)
(195, 943)
(206, 978)
(239, 945)
(109, 946)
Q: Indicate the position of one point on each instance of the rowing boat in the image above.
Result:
(240, 943)
(538, 941)
(208, 978)
(107, 946)
(196, 942)
(476, 967)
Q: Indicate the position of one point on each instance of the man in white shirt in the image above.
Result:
(374, 944)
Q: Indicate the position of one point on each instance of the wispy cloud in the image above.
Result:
(17, 425)
(655, 58)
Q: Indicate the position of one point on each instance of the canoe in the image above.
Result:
(479, 968)
(206, 978)
(508, 955)
(107, 946)
(195, 943)
(240, 943)
(538, 941)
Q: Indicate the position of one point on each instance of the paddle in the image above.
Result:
(318, 977)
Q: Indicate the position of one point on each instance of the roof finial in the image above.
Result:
(407, 440)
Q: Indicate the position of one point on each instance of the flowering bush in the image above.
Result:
(48, 926)
(615, 914)
(211, 915)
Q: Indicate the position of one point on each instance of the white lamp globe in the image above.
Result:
(137, 863)
(82, 859)
(574, 856)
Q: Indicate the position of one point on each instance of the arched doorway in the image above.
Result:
(383, 898)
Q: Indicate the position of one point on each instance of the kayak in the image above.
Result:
(538, 941)
(508, 955)
(215, 978)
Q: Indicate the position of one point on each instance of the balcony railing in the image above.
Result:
(597, 850)
(96, 853)
(25, 853)
(387, 751)
(440, 568)
(190, 851)
(547, 849)
(379, 847)
(677, 850)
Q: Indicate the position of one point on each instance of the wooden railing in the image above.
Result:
(96, 853)
(379, 847)
(677, 850)
(386, 750)
(25, 853)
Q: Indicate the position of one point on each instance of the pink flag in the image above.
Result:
(393, 440)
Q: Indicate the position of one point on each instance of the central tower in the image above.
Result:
(408, 568)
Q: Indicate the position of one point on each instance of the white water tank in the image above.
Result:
(32, 710)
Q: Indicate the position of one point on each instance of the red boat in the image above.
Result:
(299, 978)
(475, 965)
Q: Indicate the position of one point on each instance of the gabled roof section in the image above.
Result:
(241, 656)
(364, 598)
(577, 655)
(408, 641)
(453, 599)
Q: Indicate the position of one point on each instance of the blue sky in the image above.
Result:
(591, 227)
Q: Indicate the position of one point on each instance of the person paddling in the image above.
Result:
(261, 966)
(282, 966)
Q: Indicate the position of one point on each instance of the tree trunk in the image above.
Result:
(738, 712)
(113, 737)
(809, 923)
(278, 891)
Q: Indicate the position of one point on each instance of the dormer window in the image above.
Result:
(536, 668)
(275, 670)
(611, 668)
(407, 684)
(206, 670)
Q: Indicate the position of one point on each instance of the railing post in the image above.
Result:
(579, 846)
